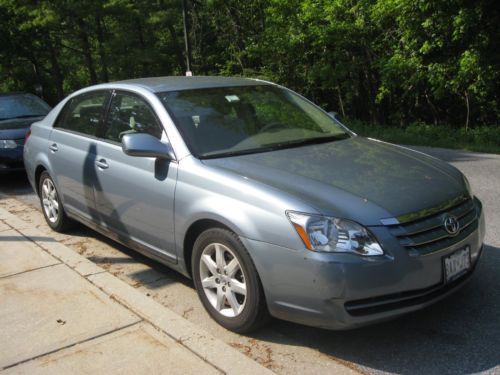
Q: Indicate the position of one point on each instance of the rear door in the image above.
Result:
(72, 150)
(135, 195)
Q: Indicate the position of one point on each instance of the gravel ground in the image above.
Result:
(458, 335)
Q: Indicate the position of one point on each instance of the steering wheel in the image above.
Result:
(272, 125)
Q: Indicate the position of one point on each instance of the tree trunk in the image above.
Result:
(102, 51)
(433, 109)
(56, 69)
(177, 48)
(370, 83)
(87, 50)
(238, 46)
(467, 104)
(36, 70)
(142, 45)
(341, 102)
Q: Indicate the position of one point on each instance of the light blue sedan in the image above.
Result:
(271, 205)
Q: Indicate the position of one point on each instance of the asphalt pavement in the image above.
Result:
(458, 335)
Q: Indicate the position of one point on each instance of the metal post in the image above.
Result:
(186, 38)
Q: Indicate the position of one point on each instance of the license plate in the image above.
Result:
(456, 264)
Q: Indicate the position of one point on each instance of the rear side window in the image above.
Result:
(83, 113)
(129, 113)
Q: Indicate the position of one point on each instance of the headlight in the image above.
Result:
(329, 234)
(7, 143)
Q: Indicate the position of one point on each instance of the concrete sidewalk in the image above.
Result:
(60, 313)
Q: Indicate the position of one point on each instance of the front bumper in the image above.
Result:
(343, 291)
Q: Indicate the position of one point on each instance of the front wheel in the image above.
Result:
(227, 282)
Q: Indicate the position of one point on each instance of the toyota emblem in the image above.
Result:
(451, 224)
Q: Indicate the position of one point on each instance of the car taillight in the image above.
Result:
(27, 136)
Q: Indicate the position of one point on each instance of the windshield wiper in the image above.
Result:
(278, 146)
(313, 141)
(238, 153)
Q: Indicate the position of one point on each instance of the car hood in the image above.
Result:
(360, 179)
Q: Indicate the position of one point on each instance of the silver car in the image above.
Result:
(271, 205)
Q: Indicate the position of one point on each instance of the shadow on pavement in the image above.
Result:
(111, 260)
(458, 335)
(15, 183)
(156, 272)
(158, 278)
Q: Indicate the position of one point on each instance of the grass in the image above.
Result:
(480, 139)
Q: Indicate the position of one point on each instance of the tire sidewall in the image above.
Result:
(250, 311)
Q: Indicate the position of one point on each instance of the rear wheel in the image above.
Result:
(52, 207)
(227, 282)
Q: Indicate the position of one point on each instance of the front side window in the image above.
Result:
(83, 114)
(130, 114)
(226, 121)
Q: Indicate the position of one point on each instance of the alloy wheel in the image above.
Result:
(50, 200)
(223, 280)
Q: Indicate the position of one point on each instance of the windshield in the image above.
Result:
(22, 106)
(228, 121)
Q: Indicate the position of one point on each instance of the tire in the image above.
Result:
(52, 207)
(222, 262)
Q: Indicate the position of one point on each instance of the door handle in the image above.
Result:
(53, 147)
(102, 164)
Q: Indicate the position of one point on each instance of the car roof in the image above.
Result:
(160, 84)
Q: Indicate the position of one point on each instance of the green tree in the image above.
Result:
(394, 62)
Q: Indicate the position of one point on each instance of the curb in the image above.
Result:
(199, 342)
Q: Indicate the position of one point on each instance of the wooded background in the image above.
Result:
(391, 62)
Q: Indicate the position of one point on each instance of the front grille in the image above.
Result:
(427, 235)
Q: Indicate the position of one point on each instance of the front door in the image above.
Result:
(135, 195)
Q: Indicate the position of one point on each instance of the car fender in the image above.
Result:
(248, 208)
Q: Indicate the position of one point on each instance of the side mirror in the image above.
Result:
(145, 145)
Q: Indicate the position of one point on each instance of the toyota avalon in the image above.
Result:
(271, 205)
